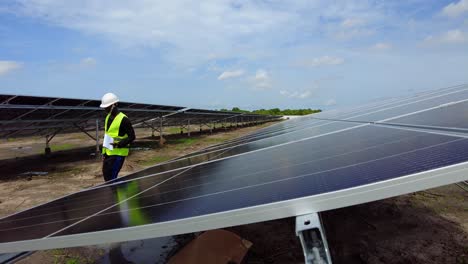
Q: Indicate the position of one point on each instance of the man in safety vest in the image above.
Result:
(118, 134)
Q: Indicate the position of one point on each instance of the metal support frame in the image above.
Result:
(161, 137)
(188, 127)
(48, 138)
(96, 138)
(311, 233)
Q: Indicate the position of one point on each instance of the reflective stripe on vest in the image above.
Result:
(113, 132)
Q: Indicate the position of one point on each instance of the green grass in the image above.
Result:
(60, 147)
(215, 140)
(154, 160)
(172, 130)
(66, 171)
(182, 143)
(62, 256)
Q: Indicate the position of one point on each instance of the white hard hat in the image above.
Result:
(108, 99)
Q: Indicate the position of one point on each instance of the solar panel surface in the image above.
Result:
(292, 168)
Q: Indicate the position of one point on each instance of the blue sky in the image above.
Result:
(226, 53)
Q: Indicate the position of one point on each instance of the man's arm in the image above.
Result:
(126, 128)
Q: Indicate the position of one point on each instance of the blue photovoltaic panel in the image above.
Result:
(389, 113)
(319, 165)
(295, 159)
(251, 145)
(450, 116)
(397, 106)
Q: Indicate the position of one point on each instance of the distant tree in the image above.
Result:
(276, 111)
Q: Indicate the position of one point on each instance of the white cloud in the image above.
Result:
(351, 28)
(188, 31)
(455, 36)
(261, 80)
(88, 62)
(352, 22)
(230, 74)
(296, 94)
(322, 61)
(381, 46)
(456, 9)
(8, 66)
(353, 33)
(330, 102)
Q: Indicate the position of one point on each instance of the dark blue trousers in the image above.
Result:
(111, 166)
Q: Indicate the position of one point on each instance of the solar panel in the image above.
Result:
(33, 115)
(292, 168)
(412, 105)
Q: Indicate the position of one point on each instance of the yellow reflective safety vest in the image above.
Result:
(113, 132)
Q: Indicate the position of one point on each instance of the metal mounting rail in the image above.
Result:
(463, 185)
(312, 236)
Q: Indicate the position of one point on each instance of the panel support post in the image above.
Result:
(97, 139)
(188, 127)
(47, 149)
(161, 138)
(311, 233)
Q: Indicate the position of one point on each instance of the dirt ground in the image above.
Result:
(424, 227)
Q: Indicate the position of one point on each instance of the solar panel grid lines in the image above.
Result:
(114, 182)
(439, 117)
(413, 113)
(253, 137)
(326, 168)
(148, 176)
(114, 205)
(380, 103)
(357, 121)
(148, 172)
(423, 130)
(392, 112)
(399, 102)
(271, 211)
(102, 186)
(271, 169)
(263, 182)
(80, 197)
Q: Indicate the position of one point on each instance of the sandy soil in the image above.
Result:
(423, 227)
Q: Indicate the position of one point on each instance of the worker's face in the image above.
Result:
(109, 109)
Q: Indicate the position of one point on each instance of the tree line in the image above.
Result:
(276, 111)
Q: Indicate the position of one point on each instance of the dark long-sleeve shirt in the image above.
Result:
(125, 128)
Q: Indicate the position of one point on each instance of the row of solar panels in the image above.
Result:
(32, 115)
(315, 163)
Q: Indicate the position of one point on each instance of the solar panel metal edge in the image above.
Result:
(348, 197)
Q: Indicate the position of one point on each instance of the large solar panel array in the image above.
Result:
(311, 164)
(33, 115)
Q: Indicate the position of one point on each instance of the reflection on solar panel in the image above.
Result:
(291, 168)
